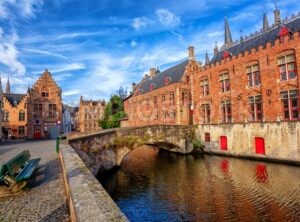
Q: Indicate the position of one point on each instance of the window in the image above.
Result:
(253, 75)
(207, 137)
(204, 87)
(45, 92)
(287, 67)
(173, 114)
(21, 130)
(184, 98)
(187, 79)
(22, 115)
(38, 109)
(172, 99)
(205, 111)
(5, 116)
(290, 104)
(255, 106)
(167, 80)
(52, 110)
(226, 111)
(163, 100)
(155, 102)
(147, 105)
(85, 116)
(225, 82)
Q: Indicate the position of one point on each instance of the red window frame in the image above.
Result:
(253, 76)
(204, 87)
(206, 113)
(255, 108)
(287, 72)
(225, 82)
(288, 108)
(226, 111)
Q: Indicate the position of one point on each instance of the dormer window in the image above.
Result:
(167, 80)
(141, 90)
(152, 86)
(284, 32)
(226, 54)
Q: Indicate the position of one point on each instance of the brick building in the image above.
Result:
(14, 113)
(251, 80)
(1, 105)
(162, 97)
(90, 112)
(44, 110)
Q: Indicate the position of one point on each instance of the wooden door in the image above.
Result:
(223, 142)
(260, 145)
(37, 132)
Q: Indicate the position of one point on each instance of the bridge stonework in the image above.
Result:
(106, 149)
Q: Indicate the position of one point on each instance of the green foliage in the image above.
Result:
(197, 143)
(114, 111)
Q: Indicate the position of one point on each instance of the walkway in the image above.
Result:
(43, 198)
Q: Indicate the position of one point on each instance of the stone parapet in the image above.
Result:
(88, 200)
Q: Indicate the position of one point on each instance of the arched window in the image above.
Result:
(22, 115)
(5, 116)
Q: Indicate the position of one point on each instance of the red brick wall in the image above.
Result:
(239, 93)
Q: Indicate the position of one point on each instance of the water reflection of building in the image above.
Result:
(212, 189)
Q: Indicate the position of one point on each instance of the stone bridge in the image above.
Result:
(106, 149)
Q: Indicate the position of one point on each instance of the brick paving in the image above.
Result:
(44, 197)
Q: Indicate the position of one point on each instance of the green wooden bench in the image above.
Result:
(15, 173)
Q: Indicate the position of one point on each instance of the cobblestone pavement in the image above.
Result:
(43, 198)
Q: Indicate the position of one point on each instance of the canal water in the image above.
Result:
(153, 185)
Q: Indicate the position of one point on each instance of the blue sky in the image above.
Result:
(94, 47)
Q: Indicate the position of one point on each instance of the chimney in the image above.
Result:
(133, 86)
(277, 19)
(216, 49)
(152, 72)
(266, 23)
(191, 53)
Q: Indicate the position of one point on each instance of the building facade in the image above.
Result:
(246, 97)
(14, 115)
(44, 108)
(162, 98)
(1, 106)
(90, 113)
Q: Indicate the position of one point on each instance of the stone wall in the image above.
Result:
(282, 139)
(88, 200)
(106, 149)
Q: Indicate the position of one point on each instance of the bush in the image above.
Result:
(197, 143)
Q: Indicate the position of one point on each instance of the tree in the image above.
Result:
(113, 112)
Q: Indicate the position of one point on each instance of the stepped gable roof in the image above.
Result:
(14, 99)
(270, 35)
(176, 72)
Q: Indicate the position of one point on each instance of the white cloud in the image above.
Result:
(9, 53)
(140, 22)
(167, 18)
(24, 8)
(46, 53)
(133, 43)
(71, 92)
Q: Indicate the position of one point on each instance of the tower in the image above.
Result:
(228, 38)
(7, 89)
